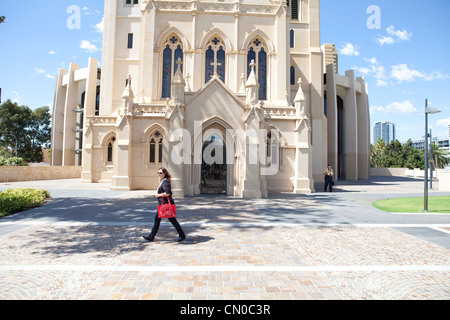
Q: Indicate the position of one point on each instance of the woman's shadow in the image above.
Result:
(196, 239)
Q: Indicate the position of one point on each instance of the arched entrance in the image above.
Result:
(214, 168)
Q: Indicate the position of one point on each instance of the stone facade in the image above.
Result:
(187, 81)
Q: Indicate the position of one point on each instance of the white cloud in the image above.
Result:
(401, 35)
(396, 107)
(385, 40)
(372, 60)
(50, 76)
(52, 52)
(39, 70)
(443, 122)
(88, 11)
(375, 70)
(394, 36)
(436, 76)
(382, 83)
(99, 26)
(402, 73)
(349, 50)
(363, 70)
(88, 47)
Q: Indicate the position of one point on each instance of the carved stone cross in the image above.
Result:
(215, 64)
(179, 63)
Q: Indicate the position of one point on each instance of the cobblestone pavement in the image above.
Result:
(92, 248)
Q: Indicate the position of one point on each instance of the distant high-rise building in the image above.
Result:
(384, 130)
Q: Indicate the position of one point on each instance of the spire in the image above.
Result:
(299, 97)
(252, 81)
(128, 92)
(299, 100)
(178, 84)
(251, 86)
(178, 77)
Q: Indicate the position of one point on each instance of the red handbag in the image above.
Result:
(167, 210)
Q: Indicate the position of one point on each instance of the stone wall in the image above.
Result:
(31, 173)
(444, 181)
(402, 172)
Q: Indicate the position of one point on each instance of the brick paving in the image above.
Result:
(232, 253)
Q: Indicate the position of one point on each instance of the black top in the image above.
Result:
(164, 187)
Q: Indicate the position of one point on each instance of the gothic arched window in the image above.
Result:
(273, 151)
(215, 59)
(292, 75)
(109, 150)
(257, 51)
(291, 38)
(294, 10)
(173, 49)
(156, 147)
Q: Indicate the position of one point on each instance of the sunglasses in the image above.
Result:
(160, 172)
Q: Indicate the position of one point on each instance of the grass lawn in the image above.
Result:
(439, 204)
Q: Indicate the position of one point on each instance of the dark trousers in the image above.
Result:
(173, 221)
(328, 182)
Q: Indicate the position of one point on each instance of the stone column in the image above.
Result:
(303, 181)
(351, 129)
(363, 131)
(70, 118)
(251, 186)
(89, 113)
(147, 54)
(108, 55)
(174, 125)
(280, 72)
(121, 179)
(332, 118)
(58, 119)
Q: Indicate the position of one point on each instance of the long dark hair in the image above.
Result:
(166, 173)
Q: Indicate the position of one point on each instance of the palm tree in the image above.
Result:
(441, 157)
(376, 151)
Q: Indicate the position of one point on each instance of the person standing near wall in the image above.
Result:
(328, 173)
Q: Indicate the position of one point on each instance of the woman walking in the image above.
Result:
(164, 194)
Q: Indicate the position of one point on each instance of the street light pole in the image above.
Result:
(425, 188)
(428, 110)
(431, 160)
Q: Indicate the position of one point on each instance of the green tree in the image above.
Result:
(375, 152)
(392, 155)
(39, 133)
(413, 157)
(30, 128)
(2, 19)
(396, 155)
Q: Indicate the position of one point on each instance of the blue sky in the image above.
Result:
(404, 61)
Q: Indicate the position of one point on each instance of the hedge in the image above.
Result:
(15, 200)
(12, 162)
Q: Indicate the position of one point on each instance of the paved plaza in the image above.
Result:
(87, 244)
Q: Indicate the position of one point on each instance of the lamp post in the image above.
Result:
(431, 161)
(428, 110)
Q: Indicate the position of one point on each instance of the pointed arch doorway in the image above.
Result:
(214, 168)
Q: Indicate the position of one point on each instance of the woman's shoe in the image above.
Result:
(181, 239)
(148, 238)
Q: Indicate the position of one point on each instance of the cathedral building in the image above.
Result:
(233, 97)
